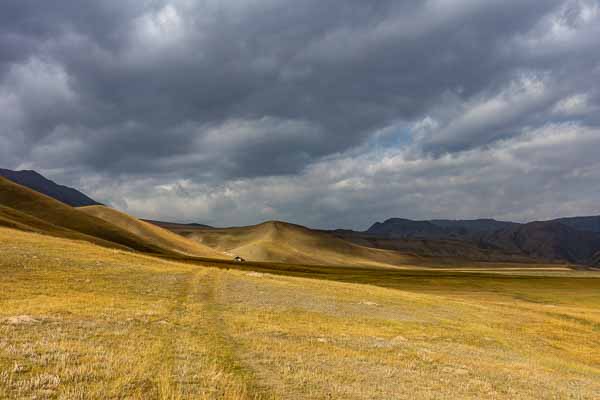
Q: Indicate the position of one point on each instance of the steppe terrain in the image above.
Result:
(96, 304)
(84, 321)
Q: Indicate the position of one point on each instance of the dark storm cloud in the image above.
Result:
(216, 92)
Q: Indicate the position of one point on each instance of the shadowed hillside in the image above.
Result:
(153, 234)
(405, 228)
(26, 209)
(574, 240)
(12, 218)
(173, 226)
(447, 248)
(437, 228)
(549, 240)
(591, 224)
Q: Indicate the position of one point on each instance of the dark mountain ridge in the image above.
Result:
(437, 228)
(394, 228)
(590, 223)
(41, 184)
(549, 240)
(575, 240)
(175, 225)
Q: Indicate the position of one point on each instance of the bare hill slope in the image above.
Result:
(26, 209)
(276, 241)
(12, 218)
(153, 234)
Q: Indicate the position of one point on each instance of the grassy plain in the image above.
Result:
(80, 321)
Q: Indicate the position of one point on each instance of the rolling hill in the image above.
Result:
(159, 237)
(26, 209)
(11, 218)
(276, 241)
(41, 184)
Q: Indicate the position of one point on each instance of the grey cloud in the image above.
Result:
(545, 173)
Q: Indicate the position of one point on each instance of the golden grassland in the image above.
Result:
(79, 321)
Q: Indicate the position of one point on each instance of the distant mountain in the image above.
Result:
(174, 225)
(464, 250)
(437, 228)
(406, 228)
(39, 183)
(550, 240)
(469, 226)
(591, 224)
(575, 240)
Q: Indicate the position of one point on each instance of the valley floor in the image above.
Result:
(78, 321)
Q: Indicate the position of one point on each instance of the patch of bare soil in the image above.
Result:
(21, 320)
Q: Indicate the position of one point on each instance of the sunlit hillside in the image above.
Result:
(23, 208)
(288, 243)
(161, 238)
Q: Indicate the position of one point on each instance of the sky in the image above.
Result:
(330, 114)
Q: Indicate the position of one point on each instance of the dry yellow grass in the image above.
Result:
(153, 234)
(79, 321)
(346, 342)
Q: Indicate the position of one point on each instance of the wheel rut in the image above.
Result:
(201, 360)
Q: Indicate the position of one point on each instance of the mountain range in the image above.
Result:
(575, 239)
(64, 211)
